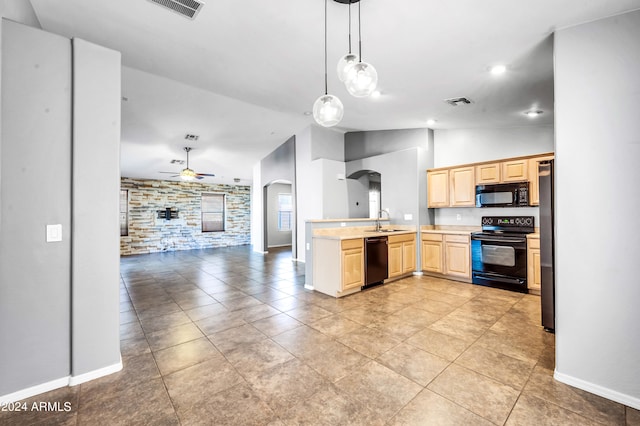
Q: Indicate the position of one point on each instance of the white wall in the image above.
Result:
(462, 146)
(321, 194)
(95, 210)
(399, 172)
(597, 99)
(59, 316)
(35, 146)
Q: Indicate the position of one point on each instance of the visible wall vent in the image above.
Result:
(188, 8)
(458, 101)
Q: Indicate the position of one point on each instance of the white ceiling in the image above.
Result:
(242, 74)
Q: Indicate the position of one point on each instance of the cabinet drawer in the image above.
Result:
(533, 243)
(453, 238)
(400, 238)
(431, 237)
(352, 244)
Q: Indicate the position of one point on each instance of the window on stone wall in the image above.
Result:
(213, 212)
(285, 207)
(124, 212)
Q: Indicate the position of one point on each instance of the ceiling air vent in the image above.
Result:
(188, 8)
(458, 101)
(191, 137)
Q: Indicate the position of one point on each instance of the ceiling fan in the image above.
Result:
(187, 173)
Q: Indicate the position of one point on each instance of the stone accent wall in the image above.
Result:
(148, 234)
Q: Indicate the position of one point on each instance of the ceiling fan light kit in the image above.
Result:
(188, 174)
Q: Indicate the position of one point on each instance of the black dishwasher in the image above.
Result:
(375, 259)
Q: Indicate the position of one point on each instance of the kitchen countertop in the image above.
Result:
(347, 233)
(449, 229)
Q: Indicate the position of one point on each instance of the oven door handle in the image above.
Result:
(500, 240)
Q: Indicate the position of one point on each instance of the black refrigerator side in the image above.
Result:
(547, 284)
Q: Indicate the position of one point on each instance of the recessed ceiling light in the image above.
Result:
(431, 122)
(376, 94)
(498, 69)
(533, 113)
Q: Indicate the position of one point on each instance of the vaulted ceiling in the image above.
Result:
(242, 74)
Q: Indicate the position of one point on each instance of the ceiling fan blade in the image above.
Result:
(199, 177)
(204, 174)
(173, 173)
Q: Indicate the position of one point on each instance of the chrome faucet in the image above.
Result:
(378, 224)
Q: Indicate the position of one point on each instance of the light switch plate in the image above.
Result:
(408, 216)
(54, 233)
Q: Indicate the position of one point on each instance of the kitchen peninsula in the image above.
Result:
(339, 253)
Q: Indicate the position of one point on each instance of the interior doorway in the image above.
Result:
(279, 217)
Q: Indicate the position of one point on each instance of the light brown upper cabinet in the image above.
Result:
(488, 173)
(515, 170)
(455, 186)
(534, 195)
(438, 188)
(462, 187)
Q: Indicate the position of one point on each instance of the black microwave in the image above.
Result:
(503, 195)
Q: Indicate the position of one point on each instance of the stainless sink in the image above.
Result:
(386, 230)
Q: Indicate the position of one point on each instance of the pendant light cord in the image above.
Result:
(359, 33)
(326, 85)
(349, 27)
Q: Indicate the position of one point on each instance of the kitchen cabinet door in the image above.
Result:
(457, 255)
(462, 189)
(458, 259)
(515, 171)
(533, 265)
(352, 264)
(534, 194)
(395, 259)
(409, 256)
(432, 256)
(487, 173)
(438, 188)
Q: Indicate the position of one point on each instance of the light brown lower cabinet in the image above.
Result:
(447, 255)
(402, 255)
(338, 266)
(432, 253)
(533, 265)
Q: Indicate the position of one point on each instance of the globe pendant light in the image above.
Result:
(362, 78)
(327, 109)
(350, 59)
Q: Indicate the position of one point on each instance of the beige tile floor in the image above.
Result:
(230, 337)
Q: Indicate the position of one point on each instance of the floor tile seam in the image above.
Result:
(492, 379)
(489, 377)
(462, 406)
(580, 414)
(177, 344)
(409, 378)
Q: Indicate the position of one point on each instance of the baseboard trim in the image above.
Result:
(95, 374)
(60, 383)
(418, 273)
(309, 287)
(598, 390)
(35, 390)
